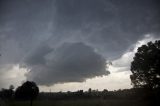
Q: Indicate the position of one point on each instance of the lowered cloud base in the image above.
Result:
(117, 79)
(71, 62)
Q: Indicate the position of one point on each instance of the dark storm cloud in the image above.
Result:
(24, 25)
(23, 20)
(107, 26)
(37, 57)
(71, 62)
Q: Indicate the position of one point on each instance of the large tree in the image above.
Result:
(145, 66)
(28, 91)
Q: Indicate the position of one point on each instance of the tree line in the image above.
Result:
(27, 91)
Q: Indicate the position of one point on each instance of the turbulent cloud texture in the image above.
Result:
(40, 35)
(71, 62)
(108, 25)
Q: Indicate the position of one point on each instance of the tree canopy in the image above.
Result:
(145, 66)
(28, 91)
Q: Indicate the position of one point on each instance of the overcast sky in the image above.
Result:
(65, 44)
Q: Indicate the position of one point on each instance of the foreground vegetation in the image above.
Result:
(80, 102)
(128, 97)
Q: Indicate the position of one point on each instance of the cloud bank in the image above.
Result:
(33, 32)
(71, 62)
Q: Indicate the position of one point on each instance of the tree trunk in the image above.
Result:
(31, 102)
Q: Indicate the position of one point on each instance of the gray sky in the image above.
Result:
(65, 44)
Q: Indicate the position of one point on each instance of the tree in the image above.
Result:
(28, 91)
(11, 87)
(145, 66)
(6, 94)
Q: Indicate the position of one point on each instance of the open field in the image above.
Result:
(93, 102)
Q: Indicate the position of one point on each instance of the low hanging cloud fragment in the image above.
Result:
(71, 62)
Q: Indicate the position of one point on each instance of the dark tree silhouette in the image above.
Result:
(6, 94)
(28, 91)
(145, 66)
(11, 87)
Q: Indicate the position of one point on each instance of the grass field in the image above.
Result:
(81, 103)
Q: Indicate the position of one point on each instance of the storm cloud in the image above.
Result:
(105, 24)
(71, 62)
(42, 36)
